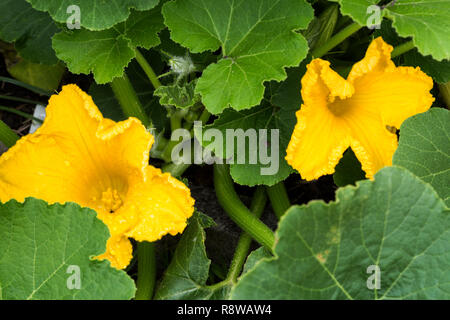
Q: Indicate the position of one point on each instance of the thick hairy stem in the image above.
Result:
(278, 198)
(257, 207)
(146, 271)
(128, 99)
(237, 211)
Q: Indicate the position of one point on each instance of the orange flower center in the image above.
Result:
(111, 200)
(339, 106)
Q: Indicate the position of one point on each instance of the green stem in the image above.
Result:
(147, 69)
(128, 99)
(204, 117)
(176, 170)
(238, 212)
(175, 121)
(278, 198)
(26, 86)
(146, 271)
(165, 74)
(20, 113)
(401, 49)
(257, 207)
(19, 99)
(7, 136)
(335, 40)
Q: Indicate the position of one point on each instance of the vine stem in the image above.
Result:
(257, 207)
(147, 69)
(238, 212)
(402, 48)
(7, 136)
(128, 99)
(146, 271)
(335, 40)
(175, 170)
(278, 198)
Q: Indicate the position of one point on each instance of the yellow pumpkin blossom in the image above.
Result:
(357, 112)
(79, 156)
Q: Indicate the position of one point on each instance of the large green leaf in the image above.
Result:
(94, 14)
(31, 30)
(259, 118)
(42, 246)
(106, 53)
(331, 251)
(186, 276)
(424, 149)
(257, 39)
(425, 21)
(277, 112)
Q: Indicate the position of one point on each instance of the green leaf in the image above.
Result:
(41, 246)
(254, 257)
(327, 251)
(43, 76)
(263, 117)
(95, 14)
(186, 276)
(142, 28)
(438, 70)
(287, 94)
(425, 21)
(257, 39)
(276, 112)
(322, 27)
(348, 170)
(31, 31)
(106, 53)
(424, 149)
(180, 96)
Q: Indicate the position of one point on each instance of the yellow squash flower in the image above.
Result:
(79, 156)
(357, 112)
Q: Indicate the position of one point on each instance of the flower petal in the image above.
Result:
(371, 141)
(320, 137)
(119, 252)
(164, 204)
(397, 92)
(75, 154)
(376, 60)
